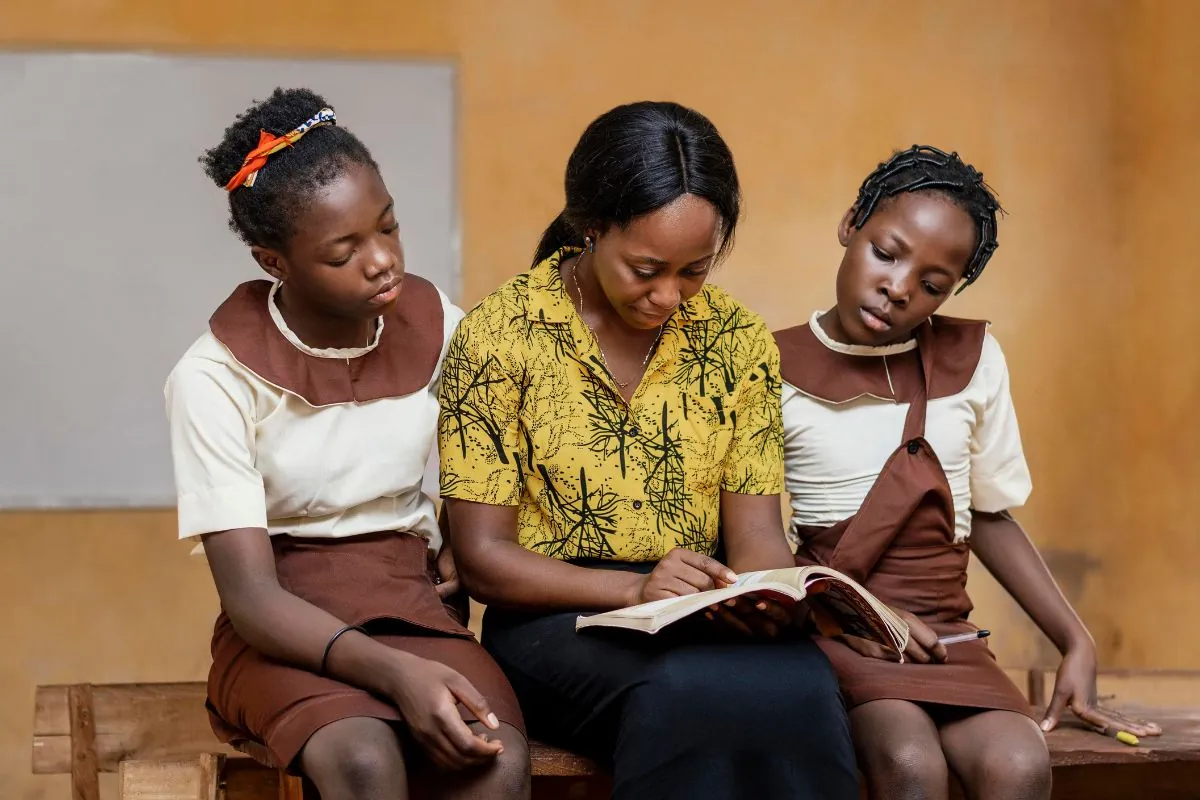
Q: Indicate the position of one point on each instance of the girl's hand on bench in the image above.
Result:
(427, 694)
(1075, 688)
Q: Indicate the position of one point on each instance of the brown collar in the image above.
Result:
(403, 362)
(810, 366)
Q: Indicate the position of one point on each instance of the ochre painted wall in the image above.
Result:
(1147, 590)
(1081, 113)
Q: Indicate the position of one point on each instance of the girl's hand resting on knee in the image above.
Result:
(427, 694)
(1075, 688)
(923, 646)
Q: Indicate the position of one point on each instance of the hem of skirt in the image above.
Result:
(285, 745)
(462, 631)
(281, 749)
(947, 699)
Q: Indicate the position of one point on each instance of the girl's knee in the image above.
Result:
(1019, 772)
(916, 768)
(508, 776)
(358, 758)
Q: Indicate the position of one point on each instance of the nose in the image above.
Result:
(896, 287)
(666, 294)
(383, 259)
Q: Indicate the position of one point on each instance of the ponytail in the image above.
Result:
(560, 234)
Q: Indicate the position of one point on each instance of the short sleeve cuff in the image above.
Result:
(220, 509)
(499, 489)
(1009, 488)
(761, 484)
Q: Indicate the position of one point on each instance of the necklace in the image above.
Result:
(600, 347)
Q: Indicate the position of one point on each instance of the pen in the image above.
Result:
(964, 637)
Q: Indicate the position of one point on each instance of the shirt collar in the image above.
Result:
(319, 352)
(824, 338)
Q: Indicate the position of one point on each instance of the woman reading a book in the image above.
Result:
(601, 414)
(903, 456)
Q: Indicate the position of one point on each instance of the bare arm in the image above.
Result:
(752, 526)
(498, 571)
(279, 624)
(752, 529)
(1005, 549)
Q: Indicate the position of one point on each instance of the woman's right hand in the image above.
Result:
(683, 572)
(427, 694)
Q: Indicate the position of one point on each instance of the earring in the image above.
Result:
(589, 244)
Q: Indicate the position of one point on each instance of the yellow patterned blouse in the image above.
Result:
(531, 417)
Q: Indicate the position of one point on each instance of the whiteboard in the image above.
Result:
(116, 250)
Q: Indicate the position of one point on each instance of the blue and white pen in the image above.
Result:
(964, 637)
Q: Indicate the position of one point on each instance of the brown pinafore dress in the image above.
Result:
(900, 544)
(381, 580)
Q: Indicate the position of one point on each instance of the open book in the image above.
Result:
(839, 605)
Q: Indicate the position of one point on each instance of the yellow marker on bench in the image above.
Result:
(1128, 738)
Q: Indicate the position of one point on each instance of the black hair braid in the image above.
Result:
(922, 168)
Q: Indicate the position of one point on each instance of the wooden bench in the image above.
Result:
(157, 738)
(157, 735)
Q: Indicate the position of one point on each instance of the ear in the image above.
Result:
(271, 262)
(846, 227)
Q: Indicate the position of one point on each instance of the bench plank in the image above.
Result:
(142, 721)
(1072, 744)
(131, 721)
(196, 779)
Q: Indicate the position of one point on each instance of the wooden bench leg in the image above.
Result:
(290, 787)
(85, 767)
(194, 779)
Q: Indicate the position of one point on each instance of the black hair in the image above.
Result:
(634, 160)
(922, 168)
(265, 214)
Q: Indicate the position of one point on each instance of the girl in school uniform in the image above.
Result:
(902, 457)
(301, 422)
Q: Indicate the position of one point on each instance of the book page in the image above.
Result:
(792, 576)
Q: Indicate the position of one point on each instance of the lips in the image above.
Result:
(389, 292)
(876, 319)
(657, 317)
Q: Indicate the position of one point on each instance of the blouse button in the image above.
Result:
(913, 447)
(634, 431)
(637, 504)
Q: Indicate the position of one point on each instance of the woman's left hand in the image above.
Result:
(754, 616)
(1075, 688)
